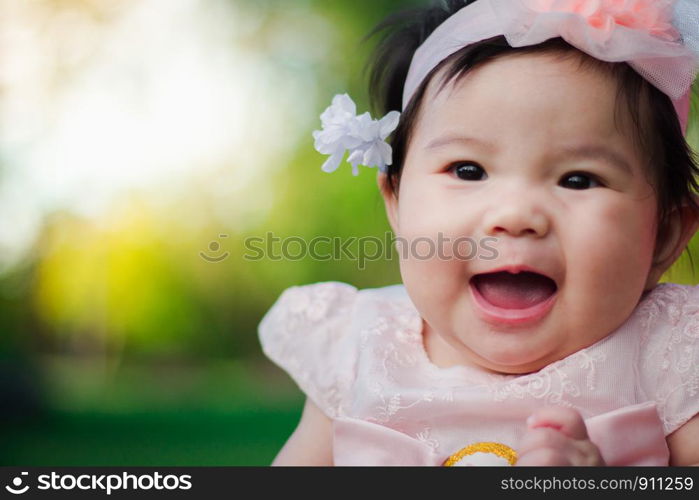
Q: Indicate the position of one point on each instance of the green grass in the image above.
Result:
(155, 438)
(155, 415)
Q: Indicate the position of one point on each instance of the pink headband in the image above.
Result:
(658, 38)
(640, 32)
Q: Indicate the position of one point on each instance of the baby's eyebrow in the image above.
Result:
(449, 139)
(597, 152)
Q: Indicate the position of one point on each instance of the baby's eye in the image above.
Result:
(580, 180)
(468, 171)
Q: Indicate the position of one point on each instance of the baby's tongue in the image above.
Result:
(514, 291)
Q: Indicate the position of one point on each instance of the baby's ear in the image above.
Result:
(682, 224)
(390, 200)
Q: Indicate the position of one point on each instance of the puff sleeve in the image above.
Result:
(308, 333)
(669, 368)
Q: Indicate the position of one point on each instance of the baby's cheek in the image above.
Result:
(427, 272)
(629, 237)
(430, 220)
(610, 263)
(433, 261)
(420, 215)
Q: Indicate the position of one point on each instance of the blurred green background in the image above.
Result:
(139, 140)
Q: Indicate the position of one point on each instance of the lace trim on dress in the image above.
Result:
(669, 319)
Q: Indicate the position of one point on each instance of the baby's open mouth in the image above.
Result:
(514, 290)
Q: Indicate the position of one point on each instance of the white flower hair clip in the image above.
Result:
(361, 135)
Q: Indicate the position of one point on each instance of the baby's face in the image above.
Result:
(586, 222)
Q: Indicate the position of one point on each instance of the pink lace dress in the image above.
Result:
(359, 356)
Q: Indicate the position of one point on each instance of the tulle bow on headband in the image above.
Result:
(658, 38)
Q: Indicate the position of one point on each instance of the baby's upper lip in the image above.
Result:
(518, 268)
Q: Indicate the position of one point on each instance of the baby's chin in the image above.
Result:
(511, 370)
(514, 370)
(525, 360)
(514, 364)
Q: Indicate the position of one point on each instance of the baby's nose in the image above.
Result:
(520, 215)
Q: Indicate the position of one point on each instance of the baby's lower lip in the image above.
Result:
(513, 317)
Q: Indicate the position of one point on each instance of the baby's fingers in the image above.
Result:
(565, 420)
(543, 457)
(547, 447)
(557, 436)
(544, 447)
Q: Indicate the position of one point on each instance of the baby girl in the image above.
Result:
(555, 129)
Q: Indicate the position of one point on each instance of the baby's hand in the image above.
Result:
(557, 436)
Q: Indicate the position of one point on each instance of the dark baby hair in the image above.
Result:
(671, 167)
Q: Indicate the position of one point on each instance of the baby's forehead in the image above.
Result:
(527, 74)
(525, 92)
